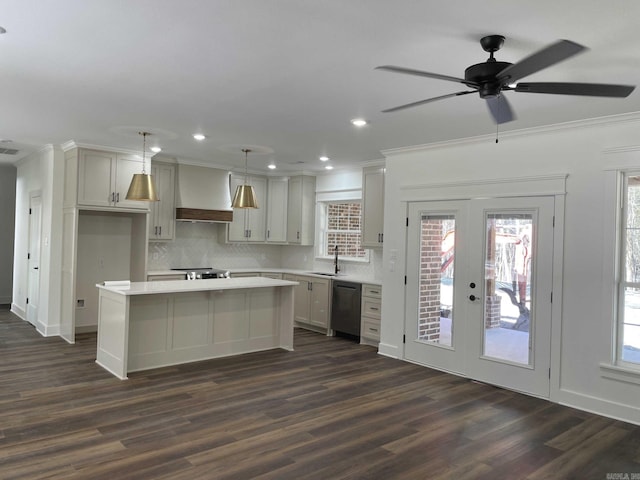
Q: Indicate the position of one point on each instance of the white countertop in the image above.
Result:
(308, 273)
(181, 286)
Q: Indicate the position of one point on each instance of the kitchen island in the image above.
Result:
(146, 325)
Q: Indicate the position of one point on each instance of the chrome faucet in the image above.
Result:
(335, 260)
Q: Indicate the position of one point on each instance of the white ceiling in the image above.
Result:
(289, 75)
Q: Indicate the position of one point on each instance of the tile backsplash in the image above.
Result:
(200, 245)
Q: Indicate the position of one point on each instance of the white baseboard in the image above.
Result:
(599, 406)
(87, 329)
(48, 330)
(388, 350)
(18, 311)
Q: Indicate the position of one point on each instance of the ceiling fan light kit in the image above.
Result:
(491, 78)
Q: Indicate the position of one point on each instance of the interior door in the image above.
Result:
(33, 260)
(479, 289)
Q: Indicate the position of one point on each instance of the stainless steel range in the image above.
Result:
(204, 273)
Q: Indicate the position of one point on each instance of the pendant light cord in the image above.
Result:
(144, 149)
(246, 174)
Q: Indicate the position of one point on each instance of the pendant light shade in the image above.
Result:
(245, 196)
(142, 187)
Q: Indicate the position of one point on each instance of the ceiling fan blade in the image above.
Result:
(420, 73)
(587, 89)
(428, 100)
(500, 109)
(544, 58)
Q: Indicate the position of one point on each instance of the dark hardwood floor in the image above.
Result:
(330, 410)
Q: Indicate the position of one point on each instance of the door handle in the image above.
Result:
(473, 298)
(118, 197)
(35, 268)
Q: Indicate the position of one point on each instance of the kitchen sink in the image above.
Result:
(325, 274)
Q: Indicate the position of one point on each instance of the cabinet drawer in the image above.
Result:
(374, 291)
(371, 307)
(370, 328)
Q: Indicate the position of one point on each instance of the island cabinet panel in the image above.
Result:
(263, 323)
(112, 345)
(148, 335)
(229, 325)
(138, 332)
(191, 322)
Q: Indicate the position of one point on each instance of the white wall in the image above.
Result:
(7, 220)
(42, 171)
(586, 323)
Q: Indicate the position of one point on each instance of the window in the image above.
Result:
(629, 278)
(339, 223)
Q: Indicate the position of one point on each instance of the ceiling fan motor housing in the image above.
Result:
(484, 75)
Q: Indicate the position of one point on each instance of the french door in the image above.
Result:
(479, 283)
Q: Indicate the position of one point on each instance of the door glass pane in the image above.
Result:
(435, 313)
(507, 302)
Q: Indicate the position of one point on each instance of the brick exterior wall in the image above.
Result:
(430, 278)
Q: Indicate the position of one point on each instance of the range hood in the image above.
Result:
(203, 195)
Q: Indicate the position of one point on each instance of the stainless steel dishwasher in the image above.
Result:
(345, 308)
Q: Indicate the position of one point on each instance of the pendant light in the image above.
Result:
(142, 187)
(245, 196)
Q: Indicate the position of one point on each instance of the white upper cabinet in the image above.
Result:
(301, 210)
(162, 220)
(277, 195)
(249, 224)
(372, 206)
(97, 178)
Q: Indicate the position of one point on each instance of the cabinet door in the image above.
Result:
(301, 211)
(301, 299)
(277, 194)
(320, 303)
(294, 210)
(162, 223)
(372, 206)
(96, 180)
(237, 229)
(126, 166)
(257, 218)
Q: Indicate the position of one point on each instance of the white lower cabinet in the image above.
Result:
(370, 314)
(311, 306)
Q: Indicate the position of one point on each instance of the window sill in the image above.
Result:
(622, 374)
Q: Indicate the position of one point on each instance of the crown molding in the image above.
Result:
(633, 117)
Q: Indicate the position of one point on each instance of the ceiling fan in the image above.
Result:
(492, 77)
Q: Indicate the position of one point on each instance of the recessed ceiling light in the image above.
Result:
(199, 136)
(359, 122)
(329, 167)
(272, 166)
(324, 158)
(156, 149)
